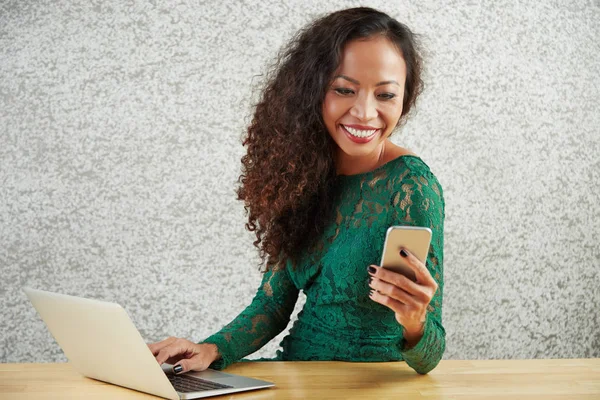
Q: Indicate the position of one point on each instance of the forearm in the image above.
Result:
(243, 336)
(267, 315)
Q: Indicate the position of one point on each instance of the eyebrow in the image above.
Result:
(358, 83)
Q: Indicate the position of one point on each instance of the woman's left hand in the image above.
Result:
(408, 299)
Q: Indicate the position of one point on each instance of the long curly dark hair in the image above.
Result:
(288, 172)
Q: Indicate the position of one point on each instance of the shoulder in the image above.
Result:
(411, 176)
(406, 162)
(410, 168)
(417, 195)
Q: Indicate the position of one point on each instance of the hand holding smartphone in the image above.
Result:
(412, 238)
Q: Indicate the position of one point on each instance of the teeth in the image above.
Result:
(360, 132)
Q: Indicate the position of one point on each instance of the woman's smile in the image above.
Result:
(359, 135)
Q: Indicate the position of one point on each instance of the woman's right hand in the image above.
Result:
(191, 356)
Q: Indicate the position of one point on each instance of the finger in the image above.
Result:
(174, 360)
(393, 304)
(396, 279)
(158, 346)
(196, 363)
(170, 352)
(421, 271)
(392, 291)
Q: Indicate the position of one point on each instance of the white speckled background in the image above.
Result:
(120, 126)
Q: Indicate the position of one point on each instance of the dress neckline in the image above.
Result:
(381, 167)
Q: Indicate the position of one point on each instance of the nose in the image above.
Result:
(364, 108)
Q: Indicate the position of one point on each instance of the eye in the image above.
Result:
(387, 96)
(344, 91)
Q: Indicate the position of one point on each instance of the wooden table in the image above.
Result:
(452, 379)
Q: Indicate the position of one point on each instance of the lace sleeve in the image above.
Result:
(267, 315)
(419, 201)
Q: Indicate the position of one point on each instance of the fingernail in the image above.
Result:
(371, 293)
(372, 269)
(370, 279)
(403, 253)
(177, 369)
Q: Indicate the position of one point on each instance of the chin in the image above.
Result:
(354, 150)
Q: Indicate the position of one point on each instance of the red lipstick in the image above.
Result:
(359, 140)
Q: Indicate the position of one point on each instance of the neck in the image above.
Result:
(352, 165)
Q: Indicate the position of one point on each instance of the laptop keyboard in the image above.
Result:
(186, 384)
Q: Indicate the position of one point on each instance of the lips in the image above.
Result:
(356, 139)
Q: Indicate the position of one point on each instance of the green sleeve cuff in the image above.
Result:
(420, 346)
(428, 352)
(224, 351)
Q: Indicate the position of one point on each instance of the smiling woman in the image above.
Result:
(322, 183)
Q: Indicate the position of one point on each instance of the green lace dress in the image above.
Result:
(339, 321)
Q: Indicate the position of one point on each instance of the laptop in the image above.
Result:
(102, 343)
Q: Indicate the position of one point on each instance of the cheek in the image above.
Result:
(333, 109)
(393, 114)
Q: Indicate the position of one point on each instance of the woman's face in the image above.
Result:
(364, 101)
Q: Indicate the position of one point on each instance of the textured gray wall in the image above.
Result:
(120, 145)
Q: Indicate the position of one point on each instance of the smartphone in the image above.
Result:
(415, 239)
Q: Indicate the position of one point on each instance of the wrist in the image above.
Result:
(413, 335)
(213, 350)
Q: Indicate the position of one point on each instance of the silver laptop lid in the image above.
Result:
(101, 342)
